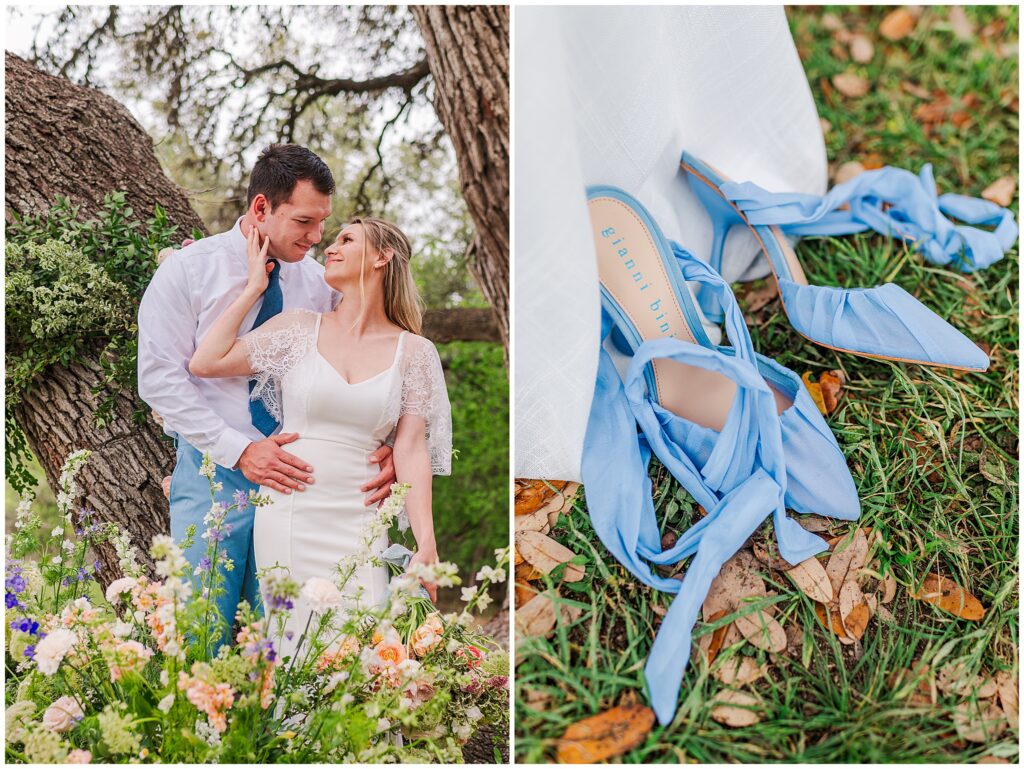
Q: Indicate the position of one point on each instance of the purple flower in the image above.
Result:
(215, 535)
(96, 565)
(241, 499)
(30, 652)
(15, 583)
(25, 625)
(11, 600)
(205, 564)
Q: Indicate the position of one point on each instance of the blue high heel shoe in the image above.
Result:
(884, 321)
(650, 280)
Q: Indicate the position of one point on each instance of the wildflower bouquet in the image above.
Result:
(138, 676)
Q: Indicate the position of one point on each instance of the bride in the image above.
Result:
(346, 381)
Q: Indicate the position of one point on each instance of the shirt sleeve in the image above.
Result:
(167, 328)
(425, 394)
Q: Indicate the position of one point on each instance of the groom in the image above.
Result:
(289, 199)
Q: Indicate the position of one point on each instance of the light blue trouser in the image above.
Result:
(190, 502)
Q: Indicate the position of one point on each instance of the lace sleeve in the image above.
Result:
(424, 394)
(274, 349)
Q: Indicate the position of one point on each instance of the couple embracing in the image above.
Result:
(308, 382)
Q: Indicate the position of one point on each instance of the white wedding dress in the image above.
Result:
(339, 425)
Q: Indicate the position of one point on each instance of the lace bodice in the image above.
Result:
(279, 346)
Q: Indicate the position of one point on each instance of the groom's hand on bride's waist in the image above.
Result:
(266, 463)
(381, 484)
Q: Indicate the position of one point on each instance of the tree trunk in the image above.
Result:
(467, 50)
(76, 142)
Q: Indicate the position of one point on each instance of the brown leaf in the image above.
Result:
(813, 523)
(934, 111)
(815, 391)
(831, 384)
(711, 643)
(955, 678)
(759, 296)
(738, 579)
(825, 126)
(532, 495)
(535, 521)
(897, 24)
(811, 578)
(545, 554)
(849, 170)
(915, 90)
(851, 85)
(768, 554)
(524, 594)
(862, 50)
(992, 760)
(526, 572)
(734, 708)
(605, 735)
(950, 597)
(888, 588)
(828, 616)
(885, 615)
(762, 630)
(1001, 191)
(740, 670)
(979, 721)
(963, 28)
(853, 610)
(1009, 696)
(924, 692)
(848, 558)
(536, 618)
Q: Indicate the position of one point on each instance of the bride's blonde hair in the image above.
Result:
(402, 302)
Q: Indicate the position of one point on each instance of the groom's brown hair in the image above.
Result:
(280, 167)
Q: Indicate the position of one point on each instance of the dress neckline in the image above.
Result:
(316, 347)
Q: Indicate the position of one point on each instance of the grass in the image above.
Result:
(933, 453)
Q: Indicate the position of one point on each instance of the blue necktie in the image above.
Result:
(273, 302)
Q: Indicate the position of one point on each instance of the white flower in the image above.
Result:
(474, 713)
(68, 545)
(164, 678)
(346, 699)
(57, 559)
(119, 587)
(321, 594)
(62, 714)
(57, 532)
(334, 680)
(52, 649)
(462, 730)
(494, 575)
(483, 601)
(122, 629)
(469, 593)
(383, 725)
(166, 704)
(207, 468)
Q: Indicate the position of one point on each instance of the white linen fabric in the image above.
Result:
(613, 95)
(188, 293)
(340, 425)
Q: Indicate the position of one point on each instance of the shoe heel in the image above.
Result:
(723, 216)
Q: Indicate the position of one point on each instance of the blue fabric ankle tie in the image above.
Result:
(747, 464)
(890, 201)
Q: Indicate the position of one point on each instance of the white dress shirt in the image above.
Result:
(188, 293)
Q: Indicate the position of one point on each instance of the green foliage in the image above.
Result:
(471, 506)
(73, 289)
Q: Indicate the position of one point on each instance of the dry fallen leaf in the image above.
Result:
(536, 618)
(734, 708)
(849, 170)
(740, 670)
(605, 735)
(851, 85)
(762, 630)
(862, 50)
(955, 678)
(828, 615)
(811, 578)
(950, 597)
(524, 593)
(979, 721)
(848, 557)
(1001, 191)
(711, 643)
(885, 615)
(531, 495)
(853, 609)
(963, 28)
(897, 24)
(888, 588)
(535, 521)
(756, 298)
(1009, 697)
(545, 554)
(831, 383)
(923, 693)
(737, 579)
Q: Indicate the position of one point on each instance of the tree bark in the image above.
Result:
(468, 51)
(76, 142)
(62, 139)
(463, 324)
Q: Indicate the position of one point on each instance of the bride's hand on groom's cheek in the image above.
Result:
(381, 483)
(266, 463)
